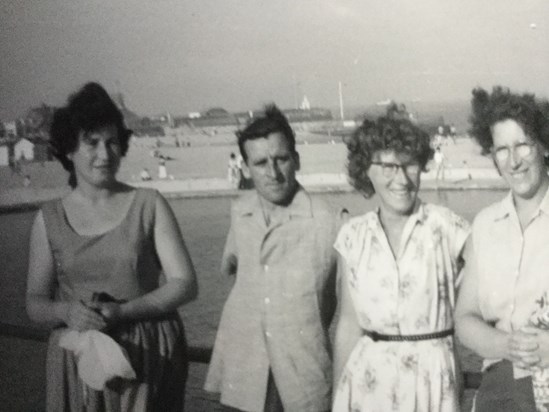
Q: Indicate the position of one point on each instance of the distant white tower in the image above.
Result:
(305, 105)
(341, 102)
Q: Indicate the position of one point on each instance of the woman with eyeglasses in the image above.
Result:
(503, 303)
(399, 265)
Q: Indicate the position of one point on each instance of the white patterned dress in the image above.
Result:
(412, 293)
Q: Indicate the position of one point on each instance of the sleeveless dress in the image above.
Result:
(411, 293)
(122, 263)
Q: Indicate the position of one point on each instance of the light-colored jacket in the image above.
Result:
(278, 313)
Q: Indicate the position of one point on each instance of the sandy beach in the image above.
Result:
(201, 170)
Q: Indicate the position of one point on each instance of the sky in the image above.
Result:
(184, 56)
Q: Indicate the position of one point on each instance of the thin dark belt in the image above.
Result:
(400, 338)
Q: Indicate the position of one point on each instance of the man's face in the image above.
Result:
(272, 167)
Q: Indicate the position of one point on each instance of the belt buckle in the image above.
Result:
(374, 336)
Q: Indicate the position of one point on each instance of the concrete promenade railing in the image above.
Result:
(195, 353)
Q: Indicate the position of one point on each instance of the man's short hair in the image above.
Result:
(272, 121)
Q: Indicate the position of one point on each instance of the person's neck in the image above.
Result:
(393, 225)
(96, 194)
(270, 206)
(271, 209)
(527, 207)
(390, 218)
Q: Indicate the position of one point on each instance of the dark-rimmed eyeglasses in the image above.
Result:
(389, 169)
(522, 150)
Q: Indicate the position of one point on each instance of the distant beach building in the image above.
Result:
(42, 151)
(210, 119)
(314, 114)
(10, 128)
(218, 117)
(305, 105)
(23, 150)
(243, 117)
(4, 153)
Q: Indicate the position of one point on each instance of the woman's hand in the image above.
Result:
(541, 352)
(523, 348)
(81, 317)
(111, 312)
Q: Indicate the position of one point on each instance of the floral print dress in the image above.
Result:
(411, 293)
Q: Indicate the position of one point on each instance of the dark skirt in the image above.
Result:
(157, 351)
(501, 392)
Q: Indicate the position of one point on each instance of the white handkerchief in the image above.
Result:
(99, 357)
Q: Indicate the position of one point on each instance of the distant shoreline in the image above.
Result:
(201, 172)
(22, 199)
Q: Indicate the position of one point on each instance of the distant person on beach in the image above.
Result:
(506, 280)
(162, 169)
(145, 175)
(245, 182)
(233, 171)
(399, 271)
(272, 351)
(453, 133)
(95, 264)
(440, 164)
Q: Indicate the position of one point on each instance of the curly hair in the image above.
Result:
(386, 133)
(273, 121)
(487, 109)
(88, 110)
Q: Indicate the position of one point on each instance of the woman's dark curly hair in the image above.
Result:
(386, 133)
(88, 110)
(487, 109)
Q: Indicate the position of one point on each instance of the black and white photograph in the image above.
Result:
(274, 206)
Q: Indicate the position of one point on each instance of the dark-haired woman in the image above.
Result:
(502, 309)
(394, 344)
(108, 239)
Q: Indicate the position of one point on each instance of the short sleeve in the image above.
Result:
(343, 244)
(229, 260)
(469, 255)
(460, 231)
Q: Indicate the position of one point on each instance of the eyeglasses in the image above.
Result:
(522, 150)
(389, 169)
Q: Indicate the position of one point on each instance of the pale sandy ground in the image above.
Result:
(202, 170)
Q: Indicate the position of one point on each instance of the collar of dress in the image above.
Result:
(419, 216)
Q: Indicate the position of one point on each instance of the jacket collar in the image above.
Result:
(300, 205)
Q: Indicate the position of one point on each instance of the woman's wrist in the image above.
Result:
(502, 345)
(124, 311)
